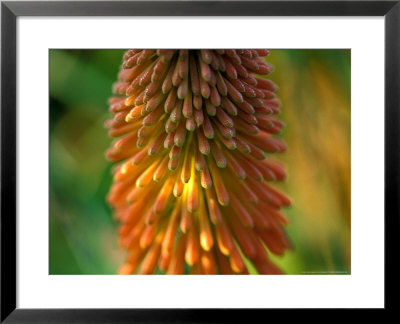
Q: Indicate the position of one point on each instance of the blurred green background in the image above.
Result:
(315, 92)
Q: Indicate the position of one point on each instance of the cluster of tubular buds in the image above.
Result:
(193, 188)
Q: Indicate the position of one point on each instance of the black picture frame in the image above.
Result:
(9, 13)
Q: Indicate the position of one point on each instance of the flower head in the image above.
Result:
(193, 188)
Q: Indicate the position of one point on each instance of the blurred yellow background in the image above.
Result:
(314, 87)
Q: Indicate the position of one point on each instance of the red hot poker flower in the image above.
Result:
(192, 189)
